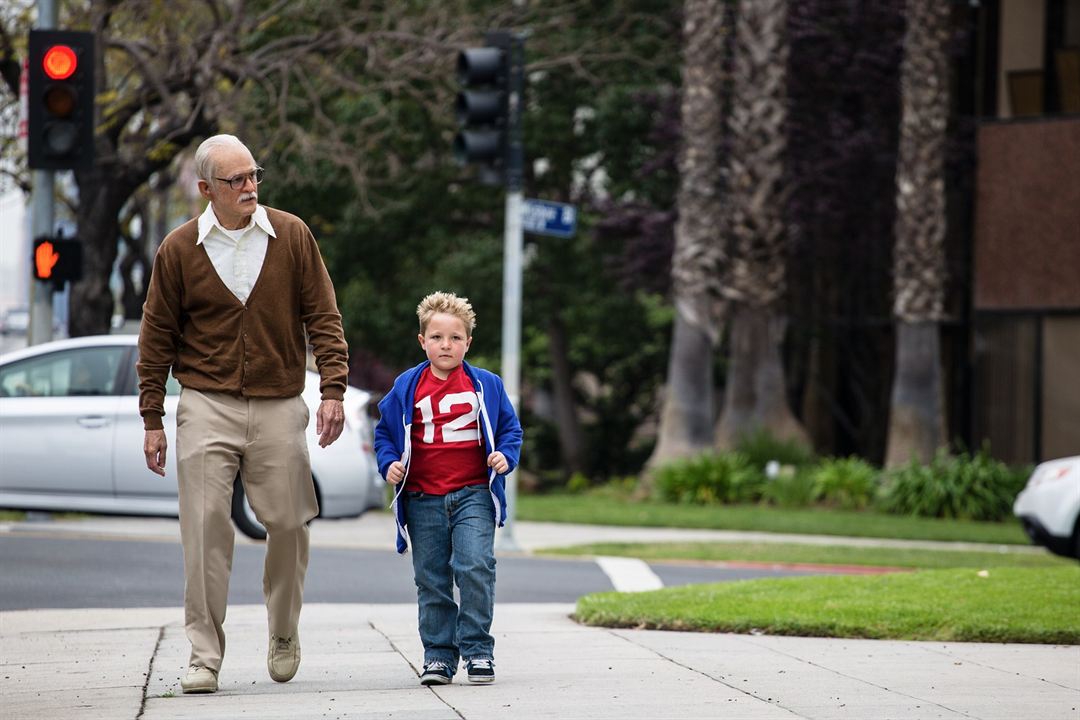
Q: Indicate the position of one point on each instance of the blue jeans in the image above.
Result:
(453, 539)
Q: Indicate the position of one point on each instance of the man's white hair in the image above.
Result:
(204, 162)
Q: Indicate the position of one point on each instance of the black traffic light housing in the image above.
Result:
(483, 106)
(61, 100)
(57, 261)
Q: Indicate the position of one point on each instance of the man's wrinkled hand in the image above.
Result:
(329, 421)
(154, 446)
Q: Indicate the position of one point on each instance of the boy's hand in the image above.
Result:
(498, 461)
(395, 473)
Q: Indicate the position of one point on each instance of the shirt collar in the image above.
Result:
(208, 221)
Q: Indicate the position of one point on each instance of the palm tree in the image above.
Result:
(916, 416)
(687, 417)
(755, 398)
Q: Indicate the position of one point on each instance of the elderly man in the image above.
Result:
(235, 296)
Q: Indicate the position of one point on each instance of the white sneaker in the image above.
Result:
(199, 680)
(283, 658)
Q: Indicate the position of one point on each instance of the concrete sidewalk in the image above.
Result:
(361, 661)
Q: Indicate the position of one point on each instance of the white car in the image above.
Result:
(1049, 506)
(71, 438)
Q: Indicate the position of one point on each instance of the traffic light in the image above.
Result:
(61, 100)
(57, 260)
(483, 106)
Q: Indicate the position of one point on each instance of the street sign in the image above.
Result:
(542, 217)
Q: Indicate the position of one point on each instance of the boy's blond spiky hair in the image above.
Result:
(448, 303)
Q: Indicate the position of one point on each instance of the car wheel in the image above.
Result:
(244, 516)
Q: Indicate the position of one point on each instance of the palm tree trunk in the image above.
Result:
(916, 415)
(756, 398)
(687, 416)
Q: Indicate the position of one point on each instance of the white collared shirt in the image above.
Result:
(237, 255)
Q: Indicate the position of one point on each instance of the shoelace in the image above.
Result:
(283, 643)
(480, 664)
(436, 665)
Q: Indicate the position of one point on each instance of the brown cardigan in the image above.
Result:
(194, 325)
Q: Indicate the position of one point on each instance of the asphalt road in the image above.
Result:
(81, 572)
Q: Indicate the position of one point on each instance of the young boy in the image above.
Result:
(447, 438)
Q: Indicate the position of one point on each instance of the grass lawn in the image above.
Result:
(1026, 605)
(816, 554)
(607, 510)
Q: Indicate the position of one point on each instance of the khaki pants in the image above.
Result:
(218, 436)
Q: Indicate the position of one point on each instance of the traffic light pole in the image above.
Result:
(512, 265)
(42, 220)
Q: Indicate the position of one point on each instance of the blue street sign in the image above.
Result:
(548, 218)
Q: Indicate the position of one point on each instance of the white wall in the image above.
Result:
(14, 250)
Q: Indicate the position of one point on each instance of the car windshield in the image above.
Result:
(77, 372)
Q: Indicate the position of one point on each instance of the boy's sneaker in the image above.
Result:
(481, 670)
(436, 672)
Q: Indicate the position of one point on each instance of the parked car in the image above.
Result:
(16, 321)
(1049, 506)
(71, 438)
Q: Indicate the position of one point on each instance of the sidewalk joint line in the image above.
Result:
(404, 657)
(995, 668)
(719, 680)
(150, 672)
(864, 681)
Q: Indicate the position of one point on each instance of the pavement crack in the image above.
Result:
(415, 669)
(704, 674)
(150, 672)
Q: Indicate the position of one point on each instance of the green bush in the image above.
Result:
(760, 447)
(790, 489)
(848, 483)
(710, 478)
(969, 487)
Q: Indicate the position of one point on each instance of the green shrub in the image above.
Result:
(578, 483)
(961, 486)
(848, 483)
(793, 489)
(710, 478)
(760, 447)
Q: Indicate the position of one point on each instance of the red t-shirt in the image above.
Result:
(447, 453)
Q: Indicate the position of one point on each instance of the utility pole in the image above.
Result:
(512, 261)
(41, 219)
(489, 108)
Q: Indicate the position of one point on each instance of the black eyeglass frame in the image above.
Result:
(237, 181)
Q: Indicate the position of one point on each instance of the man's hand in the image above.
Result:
(498, 461)
(329, 421)
(395, 473)
(154, 445)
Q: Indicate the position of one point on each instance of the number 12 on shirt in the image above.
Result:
(455, 430)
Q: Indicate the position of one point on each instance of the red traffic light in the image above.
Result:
(57, 260)
(60, 62)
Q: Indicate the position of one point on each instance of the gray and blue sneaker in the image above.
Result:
(436, 672)
(481, 670)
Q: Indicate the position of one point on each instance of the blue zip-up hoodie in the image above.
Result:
(499, 428)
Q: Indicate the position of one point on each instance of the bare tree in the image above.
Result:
(755, 395)
(688, 415)
(171, 73)
(916, 415)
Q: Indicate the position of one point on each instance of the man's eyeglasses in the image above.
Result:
(237, 182)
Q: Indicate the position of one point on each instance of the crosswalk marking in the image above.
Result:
(629, 574)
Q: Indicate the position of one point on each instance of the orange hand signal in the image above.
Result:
(45, 258)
